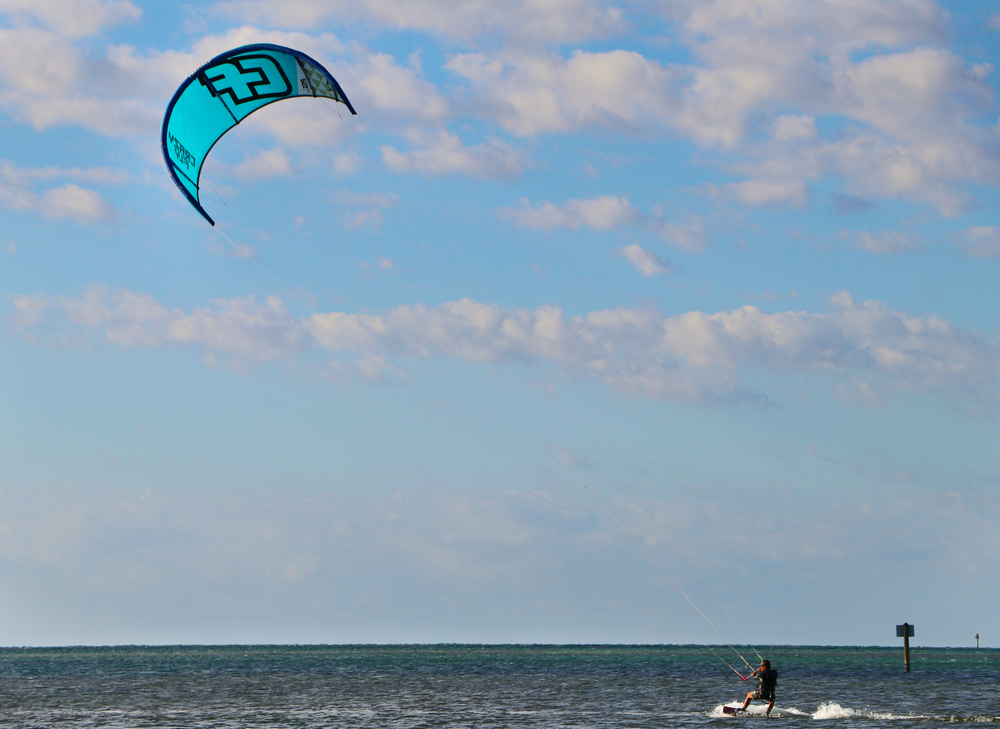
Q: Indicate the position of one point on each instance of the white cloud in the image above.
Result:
(791, 91)
(346, 163)
(365, 219)
(919, 129)
(386, 90)
(917, 95)
(983, 241)
(365, 199)
(48, 80)
(18, 191)
(754, 53)
(892, 241)
(77, 203)
(12, 175)
(267, 163)
(298, 124)
(600, 213)
(771, 192)
(478, 559)
(872, 166)
(860, 392)
(539, 21)
(793, 127)
(445, 154)
(647, 262)
(689, 234)
(837, 87)
(28, 309)
(693, 357)
(239, 327)
(530, 93)
(234, 250)
(72, 18)
(607, 212)
(372, 204)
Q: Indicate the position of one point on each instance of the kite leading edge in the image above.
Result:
(226, 90)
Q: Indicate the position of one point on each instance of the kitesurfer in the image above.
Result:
(767, 679)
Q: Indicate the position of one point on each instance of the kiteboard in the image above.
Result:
(739, 712)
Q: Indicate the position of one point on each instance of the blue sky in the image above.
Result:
(717, 275)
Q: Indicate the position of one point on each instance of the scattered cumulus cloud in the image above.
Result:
(558, 21)
(71, 18)
(851, 204)
(639, 352)
(608, 212)
(77, 203)
(268, 163)
(364, 210)
(393, 92)
(495, 549)
(788, 92)
(445, 153)
(48, 80)
(299, 124)
(358, 219)
(857, 391)
(19, 191)
(794, 127)
(918, 123)
(572, 460)
(601, 213)
(346, 163)
(532, 93)
(982, 241)
(794, 193)
(15, 176)
(382, 263)
(365, 199)
(891, 241)
(119, 91)
(239, 327)
(235, 250)
(646, 262)
(688, 234)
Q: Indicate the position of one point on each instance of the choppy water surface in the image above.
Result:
(400, 687)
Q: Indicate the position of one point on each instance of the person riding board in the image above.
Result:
(766, 681)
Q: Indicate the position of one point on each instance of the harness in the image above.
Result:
(766, 683)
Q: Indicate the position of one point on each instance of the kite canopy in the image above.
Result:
(226, 90)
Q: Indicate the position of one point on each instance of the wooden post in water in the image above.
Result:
(906, 647)
(904, 631)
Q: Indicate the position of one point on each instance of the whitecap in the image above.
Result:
(833, 710)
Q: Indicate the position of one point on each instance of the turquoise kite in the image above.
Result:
(226, 90)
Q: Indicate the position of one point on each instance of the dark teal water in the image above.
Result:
(400, 687)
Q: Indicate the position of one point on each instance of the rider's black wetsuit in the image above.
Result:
(766, 681)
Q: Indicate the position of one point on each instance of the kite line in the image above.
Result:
(670, 579)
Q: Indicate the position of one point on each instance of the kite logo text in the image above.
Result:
(181, 154)
(247, 78)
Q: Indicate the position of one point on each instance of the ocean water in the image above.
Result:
(399, 687)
